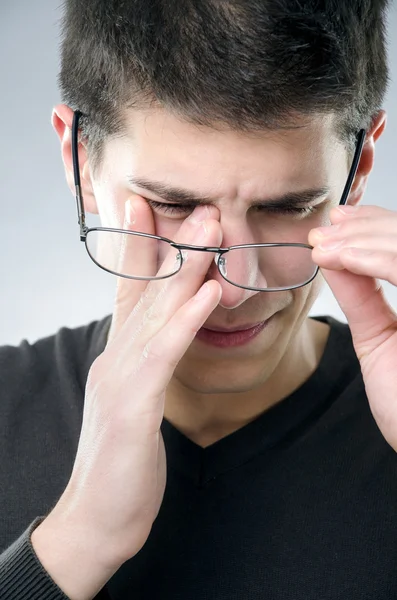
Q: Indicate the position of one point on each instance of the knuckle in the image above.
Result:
(95, 373)
(391, 267)
(152, 353)
(151, 315)
(149, 295)
(152, 302)
(153, 294)
(97, 382)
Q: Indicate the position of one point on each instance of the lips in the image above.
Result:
(234, 329)
(229, 338)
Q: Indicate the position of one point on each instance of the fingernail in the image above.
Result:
(330, 245)
(199, 214)
(201, 234)
(347, 209)
(130, 215)
(326, 231)
(203, 291)
(359, 252)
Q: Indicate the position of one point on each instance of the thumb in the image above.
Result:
(367, 311)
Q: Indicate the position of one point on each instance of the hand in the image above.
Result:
(119, 475)
(367, 253)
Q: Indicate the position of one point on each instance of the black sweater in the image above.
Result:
(300, 504)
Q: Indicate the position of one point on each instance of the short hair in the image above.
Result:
(248, 64)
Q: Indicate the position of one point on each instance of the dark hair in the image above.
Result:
(249, 64)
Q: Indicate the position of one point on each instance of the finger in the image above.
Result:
(194, 231)
(162, 298)
(379, 249)
(362, 300)
(372, 262)
(132, 255)
(345, 213)
(364, 221)
(162, 352)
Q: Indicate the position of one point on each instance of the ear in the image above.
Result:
(367, 158)
(62, 119)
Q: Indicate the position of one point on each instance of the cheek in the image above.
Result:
(302, 299)
(310, 293)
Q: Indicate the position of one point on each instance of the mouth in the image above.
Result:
(228, 338)
(234, 329)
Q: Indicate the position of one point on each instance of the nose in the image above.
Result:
(237, 267)
(232, 296)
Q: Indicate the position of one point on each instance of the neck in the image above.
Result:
(207, 418)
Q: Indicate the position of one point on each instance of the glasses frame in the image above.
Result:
(220, 252)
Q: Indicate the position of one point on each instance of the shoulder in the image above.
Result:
(67, 354)
(41, 405)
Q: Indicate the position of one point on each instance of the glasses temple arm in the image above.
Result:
(76, 173)
(356, 161)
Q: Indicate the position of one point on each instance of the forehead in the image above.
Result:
(161, 146)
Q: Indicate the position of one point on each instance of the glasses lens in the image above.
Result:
(268, 267)
(133, 255)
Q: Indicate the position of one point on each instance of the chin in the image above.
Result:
(223, 379)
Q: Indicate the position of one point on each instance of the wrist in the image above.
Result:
(72, 556)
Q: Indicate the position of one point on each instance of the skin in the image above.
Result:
(152, 360)
(216, 391)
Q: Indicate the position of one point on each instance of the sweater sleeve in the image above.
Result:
(22, 576)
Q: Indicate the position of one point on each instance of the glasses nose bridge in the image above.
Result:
(219, 252)
(214, 249)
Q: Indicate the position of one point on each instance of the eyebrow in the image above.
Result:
(176, 195)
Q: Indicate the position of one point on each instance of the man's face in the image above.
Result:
(234, 169)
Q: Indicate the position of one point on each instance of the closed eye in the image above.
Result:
(185, 209)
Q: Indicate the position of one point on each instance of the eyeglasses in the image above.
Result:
(268, 267)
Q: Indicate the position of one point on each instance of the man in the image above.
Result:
(208, 439)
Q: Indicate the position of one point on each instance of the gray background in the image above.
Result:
(47, 279)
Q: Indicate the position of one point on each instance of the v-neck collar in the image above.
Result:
(273, 426)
